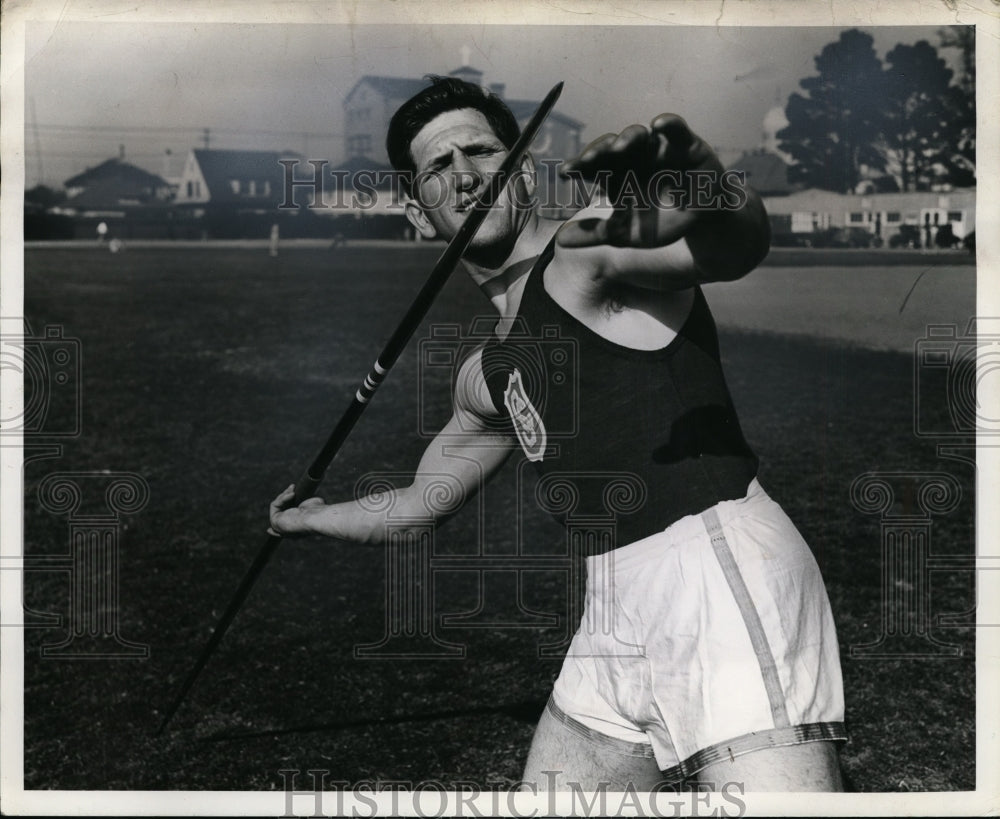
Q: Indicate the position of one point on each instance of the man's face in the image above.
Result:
(456, 155)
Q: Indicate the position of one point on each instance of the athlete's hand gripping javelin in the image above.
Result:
(288, 520)
(645, 174)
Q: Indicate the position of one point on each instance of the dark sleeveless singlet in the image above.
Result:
(634, 439)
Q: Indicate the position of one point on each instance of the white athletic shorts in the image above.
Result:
(711, 639)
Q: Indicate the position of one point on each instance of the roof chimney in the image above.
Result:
(465, 71)
(468, 73)
(498, 88)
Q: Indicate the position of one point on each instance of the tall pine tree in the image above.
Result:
(834, 130)
(961, 161)
(919, 127)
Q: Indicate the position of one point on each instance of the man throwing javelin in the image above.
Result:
(722, 664)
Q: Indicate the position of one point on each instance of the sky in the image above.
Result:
(93, 89)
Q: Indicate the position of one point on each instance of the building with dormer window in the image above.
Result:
(370, 104)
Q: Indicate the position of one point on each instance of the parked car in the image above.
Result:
(845, 237)
(908, 236)
(945, 237)
(787, 239)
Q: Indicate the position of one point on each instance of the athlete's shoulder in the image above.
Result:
(472, 394)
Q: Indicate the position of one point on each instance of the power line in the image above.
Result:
(185, 130)
(99, 154)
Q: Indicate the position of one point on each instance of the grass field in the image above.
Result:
(215, 374)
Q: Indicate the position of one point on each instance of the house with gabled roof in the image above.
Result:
(240, 179)
(113, 188)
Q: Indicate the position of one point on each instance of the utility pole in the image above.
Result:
(38, 144)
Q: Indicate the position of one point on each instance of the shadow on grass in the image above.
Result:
(528, 711)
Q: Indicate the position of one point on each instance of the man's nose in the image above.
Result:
(467, 176)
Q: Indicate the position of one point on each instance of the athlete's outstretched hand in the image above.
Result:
(647, 180)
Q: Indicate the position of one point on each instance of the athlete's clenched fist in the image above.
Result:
(656, 182)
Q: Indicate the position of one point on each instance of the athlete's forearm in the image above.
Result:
(715, 245)
(362, 521)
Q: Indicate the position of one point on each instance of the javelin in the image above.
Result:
(306, 486)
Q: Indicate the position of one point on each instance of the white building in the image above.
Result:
(881, 214)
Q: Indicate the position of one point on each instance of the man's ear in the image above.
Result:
(529, 174)
(416, 217)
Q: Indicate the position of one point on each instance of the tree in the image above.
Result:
(964, 39)
(961, 164)
(919, 129)
(834, 130)
(41, 197)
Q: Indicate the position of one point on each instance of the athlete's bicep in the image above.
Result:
(472, 400)
(474, 443)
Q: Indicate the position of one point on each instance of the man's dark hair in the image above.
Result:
(444, 94)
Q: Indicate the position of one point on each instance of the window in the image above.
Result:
(574, 141)
(955, 215)
(190, 189)
(857, 217)
(893, 216)
(267, 187)
(801, 222)
(253, 187)
(235, 185)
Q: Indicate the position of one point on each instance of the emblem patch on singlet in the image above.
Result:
(526, 419)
